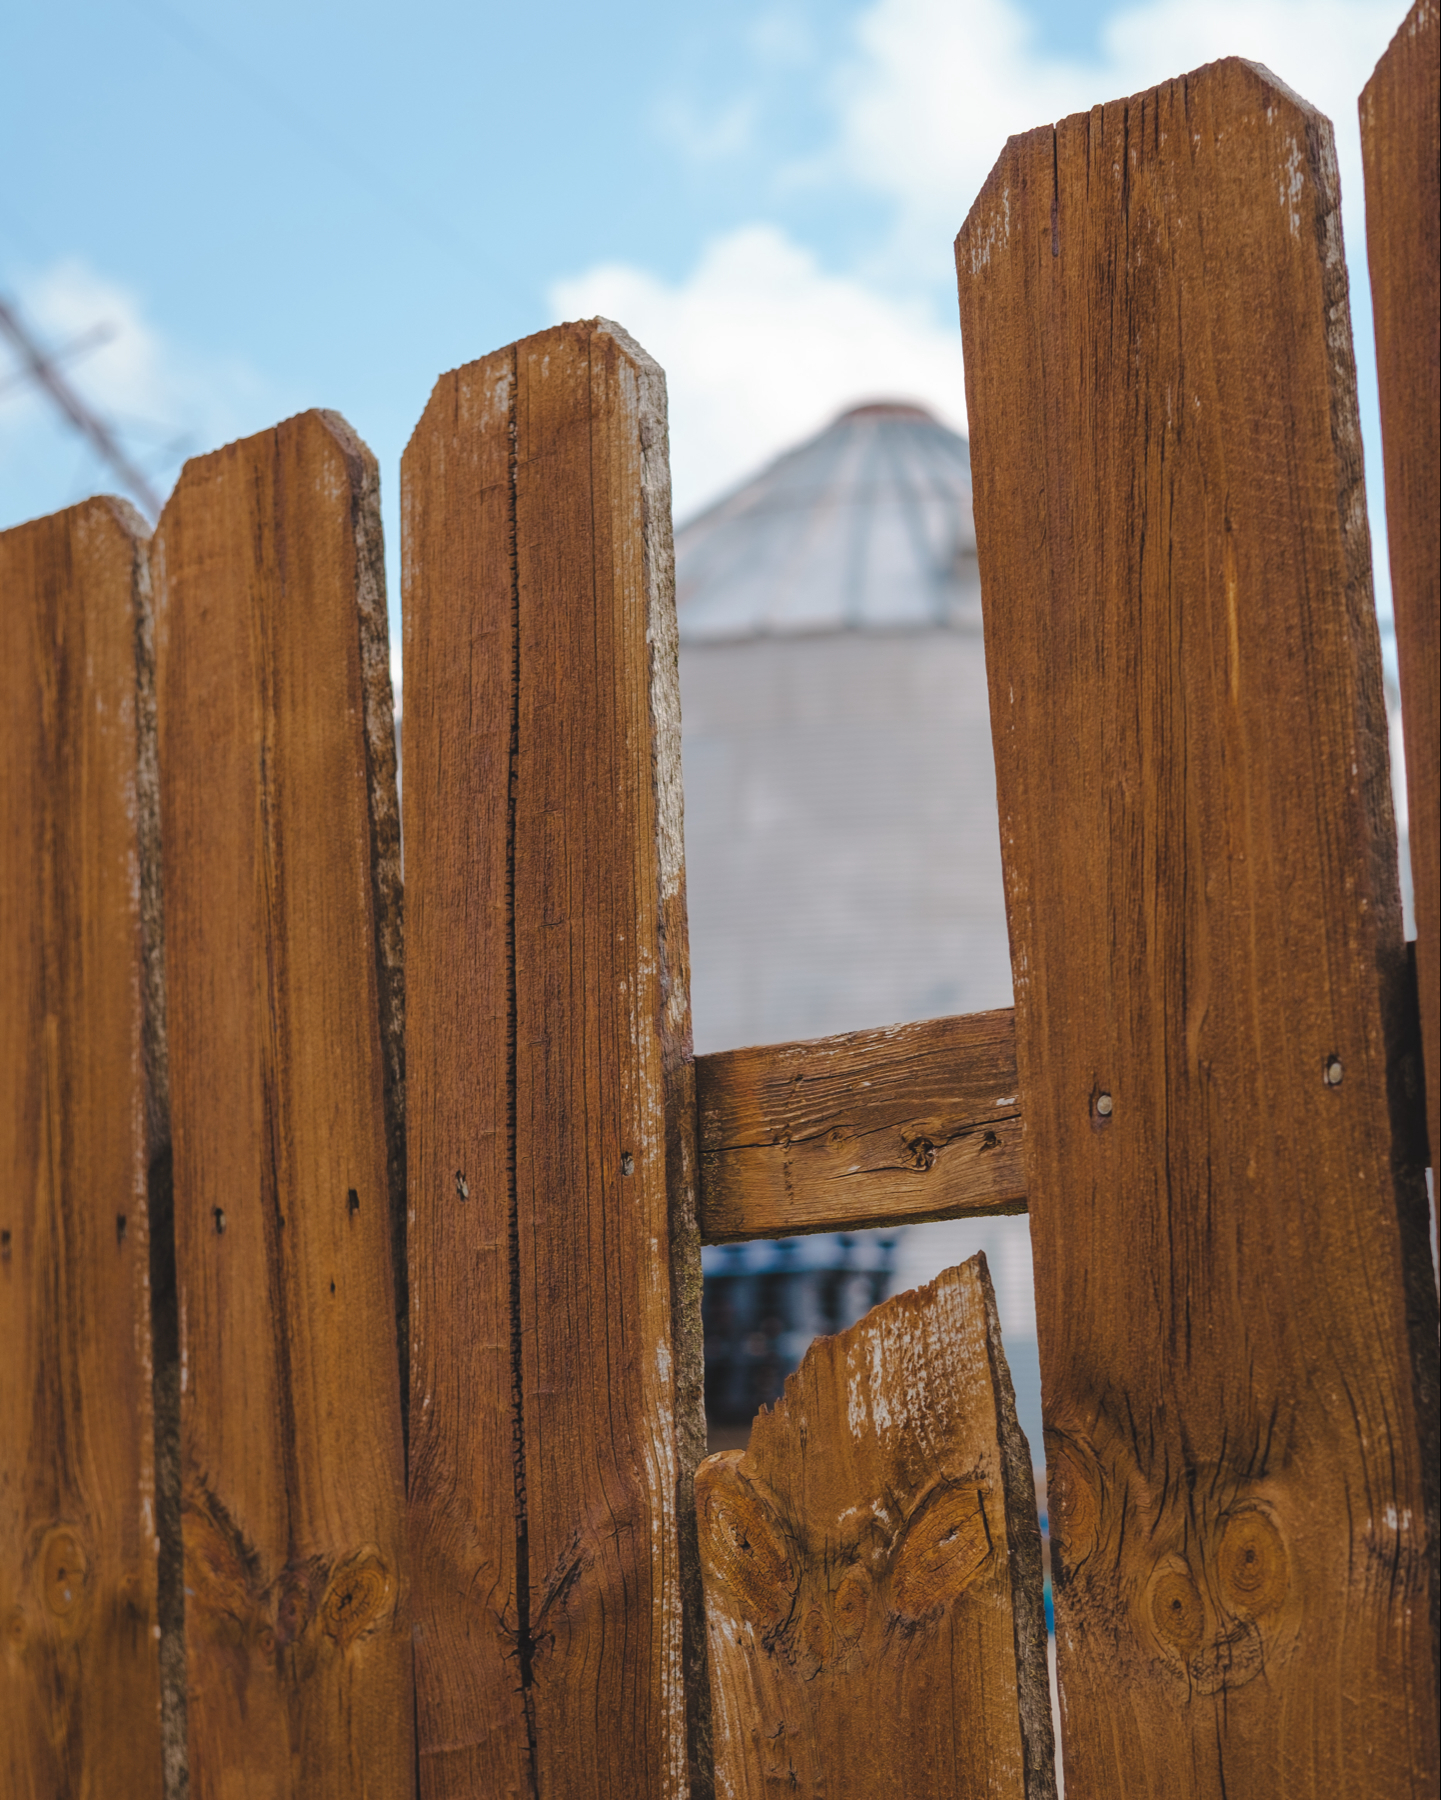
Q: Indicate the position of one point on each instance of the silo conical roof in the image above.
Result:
(866, 526)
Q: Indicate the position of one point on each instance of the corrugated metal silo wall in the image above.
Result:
(843, 870)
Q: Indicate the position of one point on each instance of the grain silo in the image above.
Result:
(843, 863)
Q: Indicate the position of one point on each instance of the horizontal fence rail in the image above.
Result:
(882, 1127)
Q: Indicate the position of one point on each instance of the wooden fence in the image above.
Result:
(351, 1423)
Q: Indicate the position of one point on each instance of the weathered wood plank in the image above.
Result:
(1401, 147)
(281, 893)
(881, 1127)
(605, 1091)
(550, 1052)
(1237, 1352)
(872, 1569)
(80, 1123)
(467, 1492)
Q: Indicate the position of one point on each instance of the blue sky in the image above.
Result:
(273, 206)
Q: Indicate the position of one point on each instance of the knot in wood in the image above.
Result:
(64, 1567)
(817, 1641)
(1177, 1610)
(946, 1545)
(743, 1544)
(1214, 1621)
(1075, 1503)
(294, 1606)
(358, 1591)
(1251, 1564)
(852, 1604)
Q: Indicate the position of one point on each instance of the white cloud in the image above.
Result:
(762, 346)
(934, 89)
(163, 402)
(126, 373)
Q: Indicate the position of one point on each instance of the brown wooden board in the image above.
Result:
(556, 1360)
(277, 760)
(80, 1122)
(1237, 1342)
(880, 1127)
(872, 1569)
(1401, 148)
(459, 727)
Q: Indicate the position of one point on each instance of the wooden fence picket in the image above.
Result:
(281, 870)
(1236, 1315)
(1401, 147)
(373, 1472)
(872, 1568)
(555, 1274)
(81, 1120)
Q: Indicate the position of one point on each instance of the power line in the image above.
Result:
(337, 148)
(81, 346)
(42, 369)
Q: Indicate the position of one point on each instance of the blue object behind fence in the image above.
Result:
(765, 1301)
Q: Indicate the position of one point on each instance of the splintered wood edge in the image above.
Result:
(164, 1314)
(687, 1346)
(1023, 1537)
(383, 803)
(964, 1051)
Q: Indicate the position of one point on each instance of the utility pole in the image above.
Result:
(43, 370)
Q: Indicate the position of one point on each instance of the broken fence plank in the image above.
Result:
(81, 1120)
(872, 1569)
(1237, 1343)
(885, 1127)
(281, 871)
(1401, 148)
(555, 1267)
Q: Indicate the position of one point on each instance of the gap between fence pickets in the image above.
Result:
(160, 1198)
(524, 1641)
(386, 870)
(682, 1171)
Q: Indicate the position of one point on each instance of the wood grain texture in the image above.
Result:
(80, 1122)
(872, 1569)
(1237, 1343)
(277, 811)
(1401, 148)
(883, 1127)
(556, 1359)
(465, 1499)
